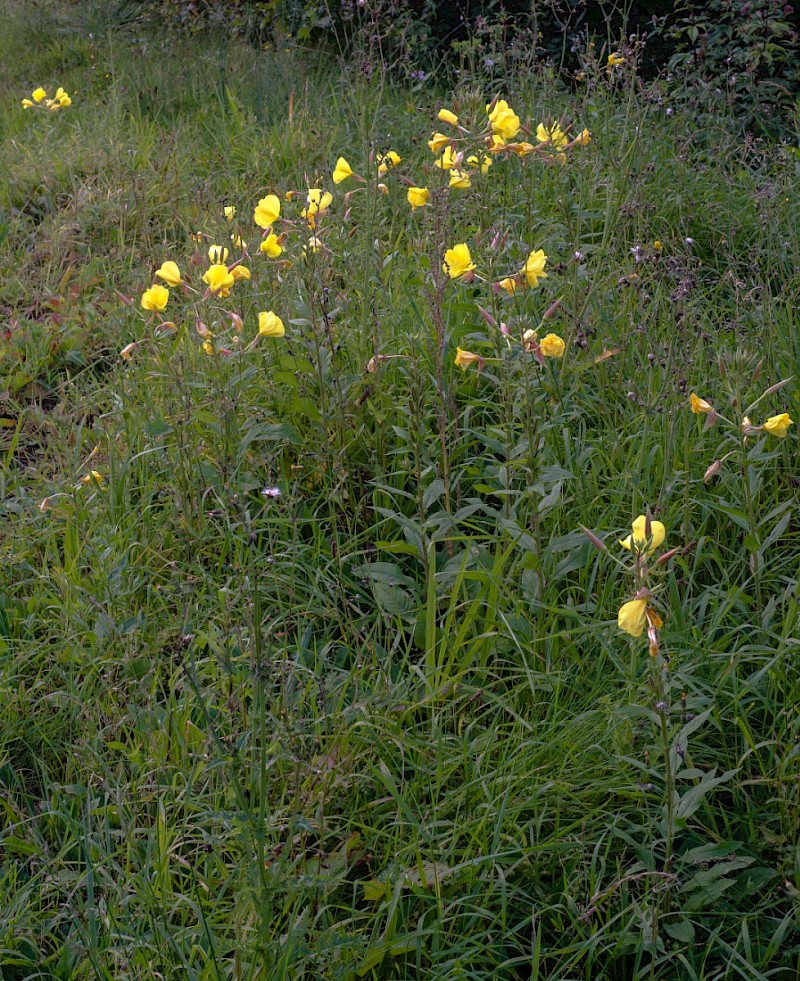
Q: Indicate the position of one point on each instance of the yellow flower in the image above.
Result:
(583, 137)
(632, 617)
(699, 406)
(217, 253)
(38, 94)
(534, 267)
(438, 142)
(94, 477)
(270, 324)
(240, 272)
(267, 211)
(657, 245)
(271, 246)
(458, 262)
(639, 537)
(317, 203)
(497, 143)
(552, 346)
(342, 171)
(238, 241)
(319, 199)
(446, 116)
(417, 197)
(521, 149)
(778, 425)
(615, 59)
(386, 161)
(62, 98)
(484, 162)
(155, 298)
(447, 160)
(170, 273)
(459, 179)
(230, 212)
(509, 284)
(208, 347)
(27, 104)
(504, 121)
(552, 134)
(464, 358)
(218, 278)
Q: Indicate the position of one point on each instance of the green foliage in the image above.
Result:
(741, 56)
(380, 721)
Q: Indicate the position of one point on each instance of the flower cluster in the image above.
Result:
(777, 426)
(460, 156)
(39, 100)
(638, 614)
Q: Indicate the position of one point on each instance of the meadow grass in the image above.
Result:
(382, 723)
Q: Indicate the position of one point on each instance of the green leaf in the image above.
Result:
(681, 930)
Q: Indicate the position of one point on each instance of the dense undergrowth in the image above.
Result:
(380, 721)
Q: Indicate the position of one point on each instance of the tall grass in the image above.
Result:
(384, 724)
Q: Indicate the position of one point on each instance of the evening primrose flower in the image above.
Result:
(386, 161)
(552, 134)
(155, 298)
(170, 273)
(267, 211)
(503, 120)
(446, 116)
(217, 253)
(615, 59)
(438, 142)
(632, 617)
(218, 278)
(240, 272)
(459, 179)
(484, 162)
(583, 138)
(638, 539)
(342, 171)
(447, 160)
(271, 246)
(417, 197)
(270, 324)
(458, 262)
(778, 425)
(230, 212)
(464, 359)
(699, 406)
(59, 101)
(552, 346)
(534, 267)
(94, 477)
(317, 203)
(509, 284)
(39, 94)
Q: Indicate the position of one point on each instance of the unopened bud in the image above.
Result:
(663, 559)
(490, 320)
(551, 309)
(712, 471)
(598, 543)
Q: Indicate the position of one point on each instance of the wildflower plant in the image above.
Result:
(751, 445)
